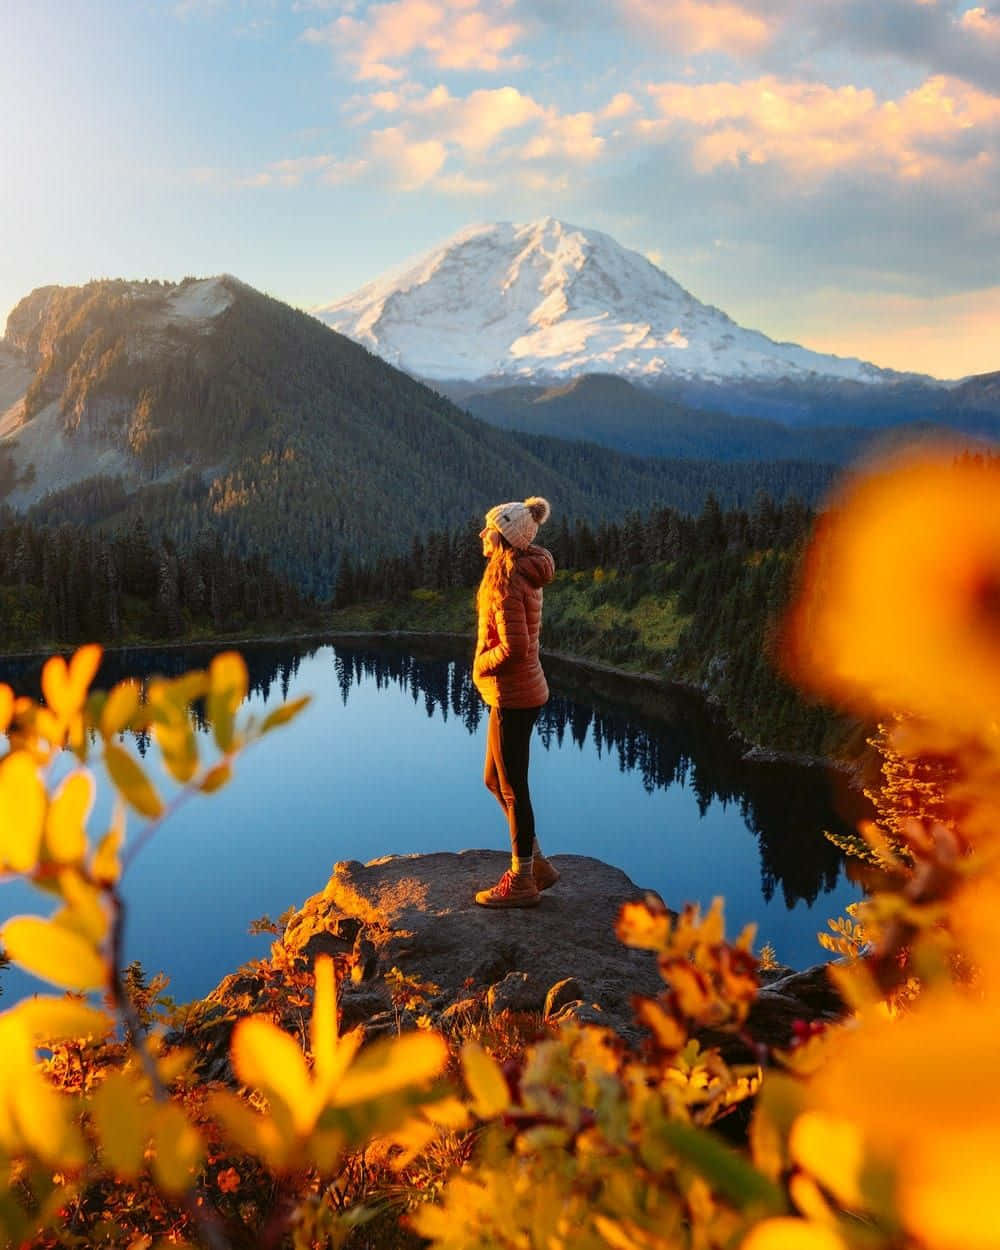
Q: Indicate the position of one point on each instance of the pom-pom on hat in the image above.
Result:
(519, 522)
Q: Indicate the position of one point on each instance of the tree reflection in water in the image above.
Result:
(673, 740)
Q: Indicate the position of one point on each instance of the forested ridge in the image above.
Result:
(286, 440)
(693, 599)
(67, 584)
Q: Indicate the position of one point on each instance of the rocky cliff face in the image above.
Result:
(27, 324)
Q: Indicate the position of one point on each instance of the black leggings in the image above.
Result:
(508, 743)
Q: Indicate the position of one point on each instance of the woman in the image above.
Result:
(510, 679)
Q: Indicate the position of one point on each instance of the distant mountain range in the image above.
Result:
(209, 409)
(547, 302)
(557, 330)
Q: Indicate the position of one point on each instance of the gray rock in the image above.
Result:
(417, 913)
(357, 1007)
(516, 992)
(563, 992)
(420, 915)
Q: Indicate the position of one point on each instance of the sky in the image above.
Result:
(826, 171)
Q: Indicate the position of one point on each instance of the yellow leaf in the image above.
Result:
(59, 1019)
(65, 823)
(106, 866)
(283, 714)
(391, 1065)
(448, 1112)
(47, 1121)
(56, 689)
(32, 1113)
(646, 925)
(85, 912)
(83, 669)
(53, 952)
(669, 1034)
(268, 1059)
(179, 748)
(256, 1134)
(22, 812)
(50, 727)
(65, 687)
(178, 1149)
(227, 674)
(131, 782)
(323, 1026)
(228, 686)
(121, 705)
(485, 1081)
(122, 1124)
(831, 1149)
(6, 706)
(216, 777)
(786, 1233)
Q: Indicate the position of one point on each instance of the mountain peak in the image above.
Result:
(546, 300)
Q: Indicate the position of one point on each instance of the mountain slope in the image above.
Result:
(547, 300)
(207, 407)
(642, 421)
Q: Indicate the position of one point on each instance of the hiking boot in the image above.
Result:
(543, 872)
(510, 891)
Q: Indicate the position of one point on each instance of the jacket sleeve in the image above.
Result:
(512, 632)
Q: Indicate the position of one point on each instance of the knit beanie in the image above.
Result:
(519, 522)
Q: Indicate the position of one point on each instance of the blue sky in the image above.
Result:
(827, 171)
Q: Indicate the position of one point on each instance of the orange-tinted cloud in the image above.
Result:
(454, 34)
(698, 26)
(808, 127)
(412, 163)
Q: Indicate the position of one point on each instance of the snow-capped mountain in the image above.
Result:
(548, 300)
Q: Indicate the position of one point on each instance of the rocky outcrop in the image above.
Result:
(422, 948)
(416, 913)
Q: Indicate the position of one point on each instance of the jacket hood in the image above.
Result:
(536, 566)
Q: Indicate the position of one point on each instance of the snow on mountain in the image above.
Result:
(549, 300)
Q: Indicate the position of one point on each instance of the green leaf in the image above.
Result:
(725, 1170)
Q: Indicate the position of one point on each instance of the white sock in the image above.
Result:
(520, 865)
(536, 850)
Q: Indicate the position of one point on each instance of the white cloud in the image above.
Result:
(813, 128)
(698, 26)
(452, 34)
(410, 163)
(569, 137)
(473, 122)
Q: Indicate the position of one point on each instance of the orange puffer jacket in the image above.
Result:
(507, 672)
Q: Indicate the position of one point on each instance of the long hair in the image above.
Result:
(496, 575)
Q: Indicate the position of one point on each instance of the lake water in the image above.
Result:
(388, 759)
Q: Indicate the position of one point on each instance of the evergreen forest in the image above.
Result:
(693, 599)
(65, 584)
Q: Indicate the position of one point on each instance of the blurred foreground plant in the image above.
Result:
(879, 1133)
(104, 1136)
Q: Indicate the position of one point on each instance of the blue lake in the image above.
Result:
(388, 759)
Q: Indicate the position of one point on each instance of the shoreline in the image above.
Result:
(636, 689)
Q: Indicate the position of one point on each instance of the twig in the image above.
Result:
(207, 1222)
